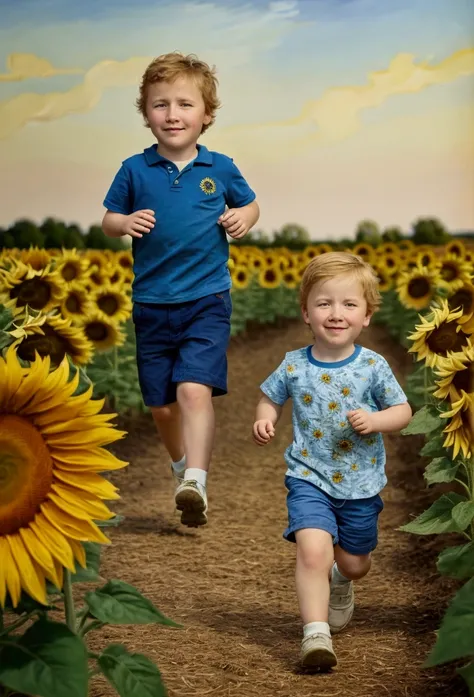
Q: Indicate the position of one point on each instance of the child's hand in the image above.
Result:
(263, 431)
(139, 223)
(361, 421)
(236, 222)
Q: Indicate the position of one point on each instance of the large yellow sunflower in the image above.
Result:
(455, 247)
(54, 336)
(36, 258)
(51, 492)
(457, 379)
(290, 279)
(77, 303)
(270, 277)
(454, 272)
(417, 287)
(439, 336)
(366, 251)
(40, 290)
(124, 259)
(72, 266)
(112, 304)
(385, 280)
(102, 332)
(460, 429)
(240, 277)
(464, 298)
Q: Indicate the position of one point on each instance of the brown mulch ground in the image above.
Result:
(231, 583)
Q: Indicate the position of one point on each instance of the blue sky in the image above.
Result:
(272, 58)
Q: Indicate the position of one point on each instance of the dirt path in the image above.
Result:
(231, 584)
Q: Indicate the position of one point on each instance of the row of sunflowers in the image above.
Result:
(66, 337)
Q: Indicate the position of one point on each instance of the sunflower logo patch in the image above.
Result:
(208, 185)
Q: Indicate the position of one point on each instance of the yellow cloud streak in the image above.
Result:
(336, 114)
(22, 66)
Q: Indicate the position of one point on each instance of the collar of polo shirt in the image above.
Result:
(153, 157)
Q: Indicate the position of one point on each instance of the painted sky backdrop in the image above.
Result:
(335, 110)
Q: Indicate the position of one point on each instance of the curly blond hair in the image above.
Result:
(331, 264)
(171, 66)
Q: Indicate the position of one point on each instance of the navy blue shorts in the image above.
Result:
(182, 342)
(351, 522)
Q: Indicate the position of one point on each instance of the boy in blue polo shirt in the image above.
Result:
(171, 199)
(344, 398)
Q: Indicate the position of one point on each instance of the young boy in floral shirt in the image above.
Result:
(344, 398)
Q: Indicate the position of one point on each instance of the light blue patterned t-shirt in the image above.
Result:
(326, 450)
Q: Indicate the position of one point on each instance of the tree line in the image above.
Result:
(52, 233)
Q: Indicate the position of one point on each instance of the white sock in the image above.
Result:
(316, 628)
(337, 576)
(200, 476)
(179, 466)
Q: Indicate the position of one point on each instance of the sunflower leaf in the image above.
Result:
(112, 523)
(437, 518)
(48, 660)
(467, 673)
(434, 447)
(131, 674)
(463, 513)
(455, 637)
(441, 469)
(424, 421)
(91, 572)
(119, 603)
(457, 562)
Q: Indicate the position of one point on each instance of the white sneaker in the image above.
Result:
(178, 478)
(341, 605)
(317, 652)
(191, 499)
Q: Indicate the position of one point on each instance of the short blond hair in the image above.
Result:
(171, 66)
(332, 264)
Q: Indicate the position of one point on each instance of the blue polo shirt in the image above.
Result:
(185, 255)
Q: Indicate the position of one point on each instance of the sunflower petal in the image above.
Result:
(74, 500)
(11, 574)
(96, 459)
(32, 580)
(89, 481)
(57, 544)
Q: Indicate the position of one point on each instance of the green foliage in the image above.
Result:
(430, 231)
(369, 232)
(392, 234)
(52, 659)
(55, 234)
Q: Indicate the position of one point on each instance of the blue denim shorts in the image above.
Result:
(182, 342)
(351, 522)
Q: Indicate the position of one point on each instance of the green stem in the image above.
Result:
(69, 601)
(95, 624)
(21, 621)
(460, 481)
(81, 624)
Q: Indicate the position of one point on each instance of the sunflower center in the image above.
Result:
(69, 271)
(73, 303)
(463, 298)
(446, 338)
(96, 331)
(108, 304)
(26, 472)
(270, 276)
(34, 292)
(51, 344)
(449, 271)
(419, 288)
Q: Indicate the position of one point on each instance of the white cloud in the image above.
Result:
(284, 8)
(23, 66)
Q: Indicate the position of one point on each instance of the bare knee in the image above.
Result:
(192, 395)
(314, 552)
(352, 566)
(165, 414)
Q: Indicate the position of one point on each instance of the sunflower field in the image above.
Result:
(67, 350)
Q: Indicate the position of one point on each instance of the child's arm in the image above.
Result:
(136, 224)
(266, 417)
(238, 221)
(385, 421)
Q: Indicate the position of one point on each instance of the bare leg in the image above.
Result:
(352, 566)
(198, 423)
(168, 423)
(314, 559)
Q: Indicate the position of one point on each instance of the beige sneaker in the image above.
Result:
(178, 478)
(341, 605)
(317, 652)
(191, 500)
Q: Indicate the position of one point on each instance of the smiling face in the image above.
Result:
(336, 311)
(176, 113)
